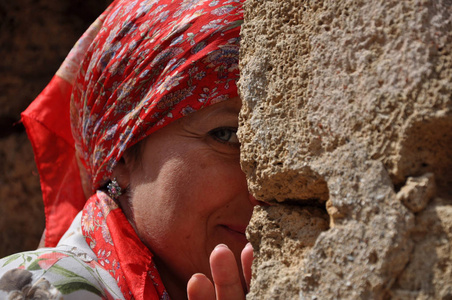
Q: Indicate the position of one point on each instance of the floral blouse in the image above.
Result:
(99, 257)
(70, 270)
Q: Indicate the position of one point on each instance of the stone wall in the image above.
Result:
(346, 130)
(35, 36)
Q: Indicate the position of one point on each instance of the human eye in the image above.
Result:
(225, 135)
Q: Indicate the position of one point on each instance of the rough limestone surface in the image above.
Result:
(347, 117)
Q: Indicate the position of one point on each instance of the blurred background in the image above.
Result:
(35, 37)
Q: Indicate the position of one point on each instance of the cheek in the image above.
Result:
(185, 192)
(168, 200)
(212, 181)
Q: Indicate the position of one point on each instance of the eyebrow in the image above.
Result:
(228, 111)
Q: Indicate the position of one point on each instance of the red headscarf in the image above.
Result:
(140, 66)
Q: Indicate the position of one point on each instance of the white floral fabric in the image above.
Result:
(68, 271)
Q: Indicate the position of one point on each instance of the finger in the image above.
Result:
(247, 261)
(199, 287)
(225, 274)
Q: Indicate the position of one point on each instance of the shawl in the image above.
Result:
(141, 65)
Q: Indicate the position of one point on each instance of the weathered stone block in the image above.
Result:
(348, 107)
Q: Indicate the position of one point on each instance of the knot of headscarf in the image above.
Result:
(140, 66)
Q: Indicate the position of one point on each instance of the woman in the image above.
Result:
(148, 155)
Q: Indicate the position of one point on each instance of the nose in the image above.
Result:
(255, 202)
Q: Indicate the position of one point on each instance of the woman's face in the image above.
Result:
(188, 193)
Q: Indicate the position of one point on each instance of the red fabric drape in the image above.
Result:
(119, 249)
(47, 123)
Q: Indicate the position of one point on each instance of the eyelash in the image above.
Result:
(231, 130)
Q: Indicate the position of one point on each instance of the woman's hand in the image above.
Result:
(226, 276)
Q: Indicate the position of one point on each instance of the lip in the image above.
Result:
(236, 228)
(237, 232)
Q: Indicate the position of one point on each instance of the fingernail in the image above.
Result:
(198, 275)
(221, 246)
(249, 245)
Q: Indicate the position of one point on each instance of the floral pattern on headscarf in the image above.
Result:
(151, 63)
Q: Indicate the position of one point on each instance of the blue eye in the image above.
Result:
(225, 135)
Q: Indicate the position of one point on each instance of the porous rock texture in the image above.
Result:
(347, 117)
(35, 36)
